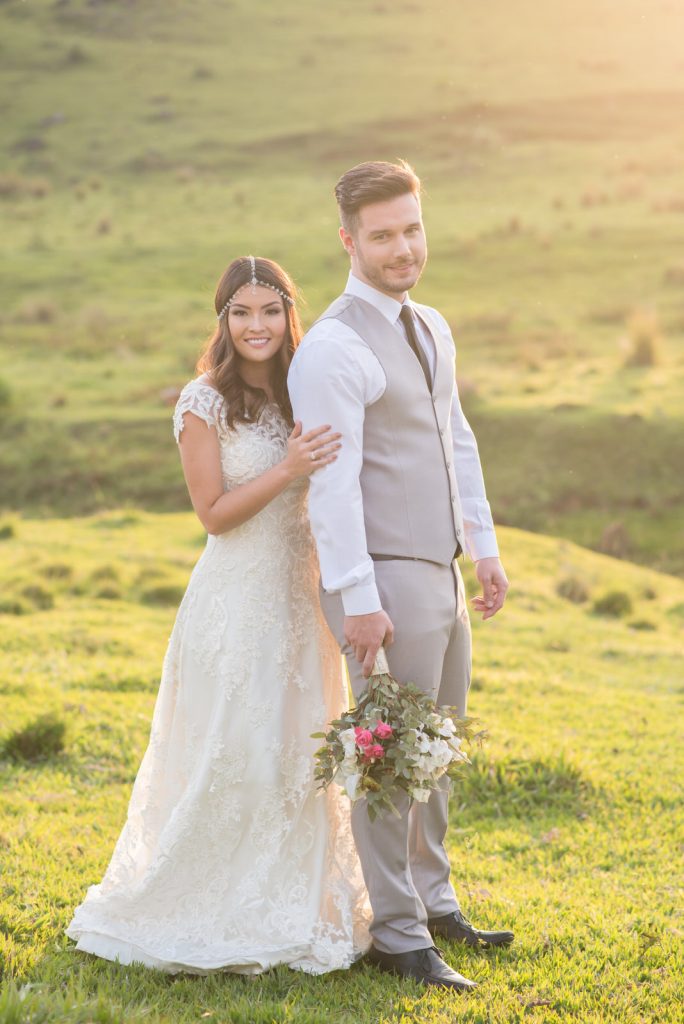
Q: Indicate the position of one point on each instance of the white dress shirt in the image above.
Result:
(333, 377)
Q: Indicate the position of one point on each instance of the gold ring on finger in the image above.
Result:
(313, 456)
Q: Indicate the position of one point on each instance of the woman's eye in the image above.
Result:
(274, 312)
(237, 312)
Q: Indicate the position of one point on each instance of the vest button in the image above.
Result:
(453, 500)
(448, 465)
(441, 433)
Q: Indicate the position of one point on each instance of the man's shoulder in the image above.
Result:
(334, 310)
(432, 315)
(328, 328)
(328, 339)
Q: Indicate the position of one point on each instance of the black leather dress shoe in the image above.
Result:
(424, 965)
(456, 926)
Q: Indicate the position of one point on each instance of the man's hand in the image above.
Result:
(490, 573)
(366, 634)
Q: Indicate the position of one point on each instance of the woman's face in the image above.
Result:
(258, 323)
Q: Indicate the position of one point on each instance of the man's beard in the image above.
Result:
(384, 284)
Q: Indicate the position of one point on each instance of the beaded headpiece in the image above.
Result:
(252, 284)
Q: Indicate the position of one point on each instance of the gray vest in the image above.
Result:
(411, 503)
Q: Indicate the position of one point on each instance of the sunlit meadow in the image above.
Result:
(143, 146)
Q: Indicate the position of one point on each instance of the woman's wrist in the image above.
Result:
(285, 471)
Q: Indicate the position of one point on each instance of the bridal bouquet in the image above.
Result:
(396, 738)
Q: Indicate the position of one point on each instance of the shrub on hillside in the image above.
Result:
(13, 185)
(115, 520)
(76, 56)
(608, 315)
(572, 588)
(615, 540)
(5, 393)
(13, 606)
(39, 596)
(643, 339)
(614, 604)
(7, 531)
(674, 274)
(40, 739)
(644, 625)
(38, 311)
(105, 573)
(163, 594)
(57, 571)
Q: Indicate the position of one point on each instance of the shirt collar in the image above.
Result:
(385, 304)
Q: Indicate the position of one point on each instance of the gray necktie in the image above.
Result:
(406, 317)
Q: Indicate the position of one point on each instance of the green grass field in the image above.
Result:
(568, 828)
(144, 145)
(147, 144)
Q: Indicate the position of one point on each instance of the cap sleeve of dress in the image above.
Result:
(200, 399)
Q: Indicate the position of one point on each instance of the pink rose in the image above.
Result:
(383, 731)
(376, 750)
(364, 737)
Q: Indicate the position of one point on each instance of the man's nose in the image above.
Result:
(402, 247)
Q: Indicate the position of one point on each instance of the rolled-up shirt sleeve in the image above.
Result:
(328, 385)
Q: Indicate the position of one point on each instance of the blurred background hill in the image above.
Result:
(144, 145)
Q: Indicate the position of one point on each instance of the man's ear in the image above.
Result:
(347, 241)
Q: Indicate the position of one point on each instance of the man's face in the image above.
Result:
(388, 248)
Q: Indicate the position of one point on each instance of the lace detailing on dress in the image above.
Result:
(202, 400)
(229, 859)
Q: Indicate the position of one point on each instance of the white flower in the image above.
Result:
(421, 795)
(350, 785)
(447, 727)
(440, 753)
(422, 742)
(348, 740)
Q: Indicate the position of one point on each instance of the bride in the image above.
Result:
(229, 860)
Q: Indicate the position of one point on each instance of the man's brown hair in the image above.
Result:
(372, 182)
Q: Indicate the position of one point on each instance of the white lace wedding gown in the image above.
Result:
(229, 859)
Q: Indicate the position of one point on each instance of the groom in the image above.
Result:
(390, 517)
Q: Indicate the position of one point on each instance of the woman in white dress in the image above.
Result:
(229, 859)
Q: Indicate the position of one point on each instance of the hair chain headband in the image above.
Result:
(253, 282)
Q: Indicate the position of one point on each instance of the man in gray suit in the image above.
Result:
(390, 518)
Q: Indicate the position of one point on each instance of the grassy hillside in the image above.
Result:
(145, 145)
(568, 829)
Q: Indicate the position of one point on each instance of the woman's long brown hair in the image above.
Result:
(244, 403)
